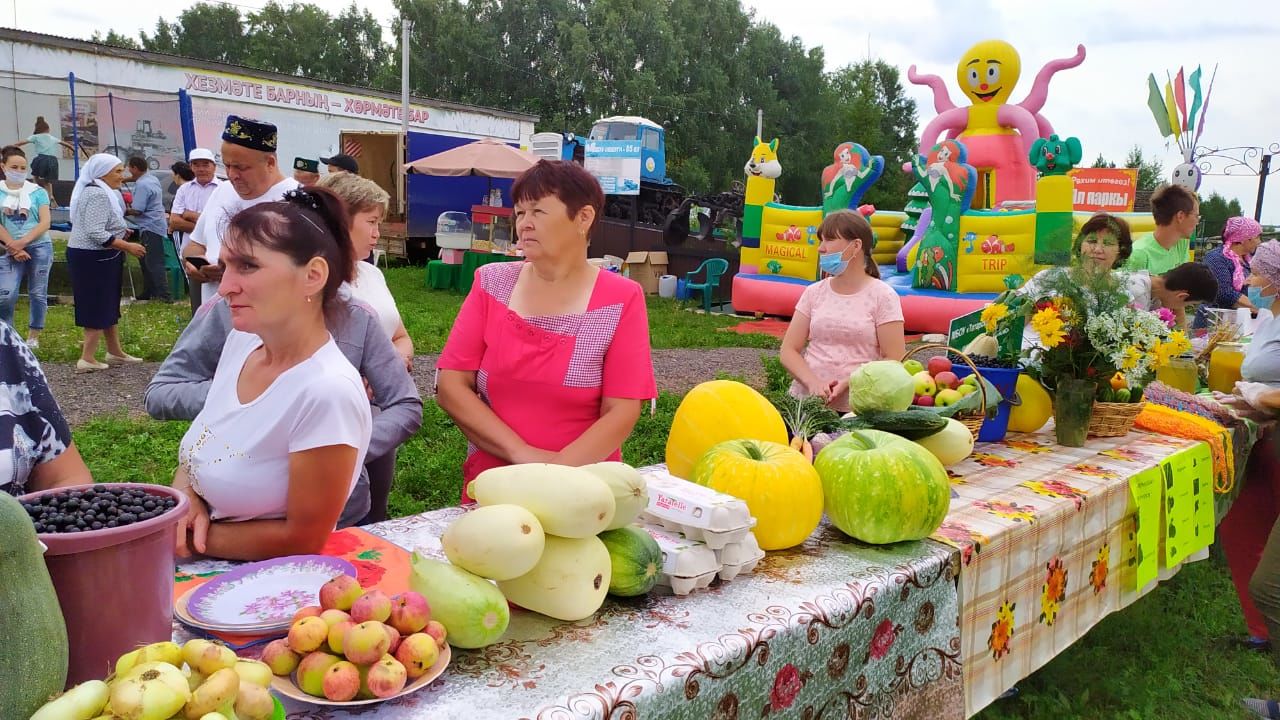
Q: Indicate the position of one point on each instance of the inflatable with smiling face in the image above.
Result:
(998, 135)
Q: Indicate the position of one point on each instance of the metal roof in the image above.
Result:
(632, 119)
(33, 38)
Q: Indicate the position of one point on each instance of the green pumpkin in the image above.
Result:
(33, 646)
(636, 560)
(880, 488)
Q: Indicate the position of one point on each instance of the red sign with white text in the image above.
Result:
(1104, 189)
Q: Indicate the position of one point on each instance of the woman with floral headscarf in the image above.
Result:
(1230, 266)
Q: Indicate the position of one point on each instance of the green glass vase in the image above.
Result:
(1072, 408)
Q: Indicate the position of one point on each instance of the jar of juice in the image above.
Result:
(1181, 373)
(1224, 366)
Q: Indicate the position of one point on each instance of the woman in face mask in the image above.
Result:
(848, 318)
(26, 250)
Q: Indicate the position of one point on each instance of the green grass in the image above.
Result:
(149, 330)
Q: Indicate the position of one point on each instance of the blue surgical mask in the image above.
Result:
(832, 263)
(1260, 301)
(16, 176)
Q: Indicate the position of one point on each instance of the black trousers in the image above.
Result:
(155, 283)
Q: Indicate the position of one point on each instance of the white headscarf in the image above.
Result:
(92, 172)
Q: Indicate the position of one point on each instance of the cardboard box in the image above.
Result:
(645, 268)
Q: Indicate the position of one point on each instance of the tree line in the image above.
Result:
(700, 68)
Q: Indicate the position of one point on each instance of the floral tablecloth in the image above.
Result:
(832, 629)
(1045, 537)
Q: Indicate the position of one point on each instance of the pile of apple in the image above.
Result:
(201, 680)
(357, 644)
(936, 384)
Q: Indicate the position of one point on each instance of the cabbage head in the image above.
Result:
(881, 386)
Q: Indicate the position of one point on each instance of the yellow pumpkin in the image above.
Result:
(1034, 408)
(716, 411)
(782, 489)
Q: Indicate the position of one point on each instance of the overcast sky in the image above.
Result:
(1103, 102)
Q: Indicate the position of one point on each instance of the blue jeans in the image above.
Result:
(36, 272)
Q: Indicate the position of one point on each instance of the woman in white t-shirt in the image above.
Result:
(270, 461)
(367, 205)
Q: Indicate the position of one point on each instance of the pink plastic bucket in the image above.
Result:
(115, 585)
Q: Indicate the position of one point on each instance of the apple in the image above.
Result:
(924, 400)
(373, 605)
(365, 643)
(912, 366)
(946, 379)
(409, 612)
(393, 635)
(311, 672)
(280, 657)
(387, 677)
(417, 653)
(308, 611)
(255, 672)
(437, 632)
(967, 389)
(938, 364)
(308, 634)
(336, 633)
(925, 386)
(947, 397)
(340, 593)
(333, 617)
(970, 380)
(341, 681)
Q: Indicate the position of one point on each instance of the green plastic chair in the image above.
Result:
(715, 267)
(173, 267)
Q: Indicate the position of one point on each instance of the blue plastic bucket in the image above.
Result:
(682, 290)
(1006, 381)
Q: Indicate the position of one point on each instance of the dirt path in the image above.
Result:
(83, 397)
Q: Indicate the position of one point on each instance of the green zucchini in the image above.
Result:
(33, 646)
(911, 424)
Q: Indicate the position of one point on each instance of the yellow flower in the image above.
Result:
(1163, 352)
(1178, 343)
(993, 314)
(1132, 356)
(1048, 324)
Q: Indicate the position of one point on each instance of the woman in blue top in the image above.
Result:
(1230, 265)
(45, 164)
(27, 250)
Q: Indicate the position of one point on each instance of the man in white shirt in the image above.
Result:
(188, 202)
(253, 176)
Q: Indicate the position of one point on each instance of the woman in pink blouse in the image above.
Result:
(845, 320)
(549, 359)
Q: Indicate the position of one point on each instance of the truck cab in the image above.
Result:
(652, 137)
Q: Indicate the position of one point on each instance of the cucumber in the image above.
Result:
(911, 424)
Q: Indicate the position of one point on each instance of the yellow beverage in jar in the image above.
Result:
(1224, 367)
(1180, 373)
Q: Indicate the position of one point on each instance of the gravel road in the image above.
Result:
(83, 397)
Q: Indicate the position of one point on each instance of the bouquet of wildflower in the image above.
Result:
(1135, 343)
(1060, 311)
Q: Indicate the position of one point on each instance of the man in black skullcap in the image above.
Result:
(306, 170)
(253, 176)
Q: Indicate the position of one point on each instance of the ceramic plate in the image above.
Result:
(264, 593)
(286, 687)
(182, 615)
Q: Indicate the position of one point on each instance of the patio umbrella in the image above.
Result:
(486, 158)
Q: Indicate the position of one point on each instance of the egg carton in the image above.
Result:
(693, 506)
(714, 539)
(681, 556)
(684, 585)
(738, 553)
(729, 572)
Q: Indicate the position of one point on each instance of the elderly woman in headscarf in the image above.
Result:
(95, 258)
(1230, 266)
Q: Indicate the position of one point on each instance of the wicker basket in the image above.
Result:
(1113, 419)
(971, 420)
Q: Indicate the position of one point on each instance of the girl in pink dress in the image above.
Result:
(549, 359)
(849, 318)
